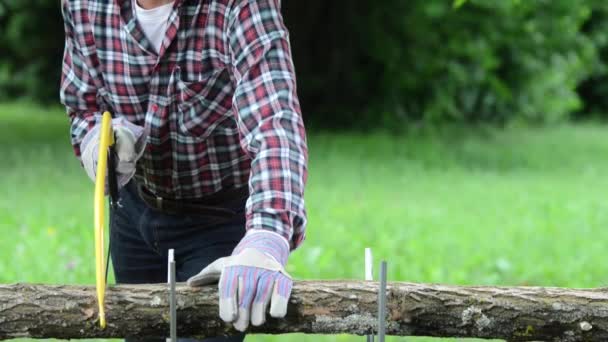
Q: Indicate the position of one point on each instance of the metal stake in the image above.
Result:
(382, 303)
(172, 308)
(369, 275)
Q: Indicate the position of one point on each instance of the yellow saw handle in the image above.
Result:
(106, 140)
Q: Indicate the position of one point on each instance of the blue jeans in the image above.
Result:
(141, 237)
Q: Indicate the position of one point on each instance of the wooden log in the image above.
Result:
(316, 307)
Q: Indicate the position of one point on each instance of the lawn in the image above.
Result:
(518, 206)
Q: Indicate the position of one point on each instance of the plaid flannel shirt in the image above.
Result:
(218, 101)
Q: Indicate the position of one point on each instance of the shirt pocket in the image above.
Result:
(204, 104)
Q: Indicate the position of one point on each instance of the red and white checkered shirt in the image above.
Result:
(218, 102)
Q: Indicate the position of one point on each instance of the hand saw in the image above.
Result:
(106, 166)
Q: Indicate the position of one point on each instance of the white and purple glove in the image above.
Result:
(130, 143)
(251, 278)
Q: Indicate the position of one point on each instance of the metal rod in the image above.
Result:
(369, 275)
(369, 261)
(172, 306)
(382, 303)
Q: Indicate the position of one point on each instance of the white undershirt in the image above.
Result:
(154, 22)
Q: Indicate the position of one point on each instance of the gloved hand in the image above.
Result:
(251, 278)
(130, 143)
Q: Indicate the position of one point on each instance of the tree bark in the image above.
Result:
(316, 307)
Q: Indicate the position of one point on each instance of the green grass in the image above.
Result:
(511, 207)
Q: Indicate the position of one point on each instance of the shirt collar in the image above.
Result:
(127, 14)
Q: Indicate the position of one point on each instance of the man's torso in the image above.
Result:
(182, 95)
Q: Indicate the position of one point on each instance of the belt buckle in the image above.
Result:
(159, 202)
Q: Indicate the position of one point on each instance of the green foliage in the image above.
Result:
(459, 3)
(389, 63)
(594, 89)
(515, 207)
(32, 45)
(427, 60)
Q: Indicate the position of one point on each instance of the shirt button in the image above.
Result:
(154, 107)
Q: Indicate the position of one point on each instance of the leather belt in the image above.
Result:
(212, 205)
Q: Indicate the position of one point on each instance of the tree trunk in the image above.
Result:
(316, 307)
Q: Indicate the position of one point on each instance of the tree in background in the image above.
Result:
(594, 89)
(31, 47)
(364, 64)
(398, 62)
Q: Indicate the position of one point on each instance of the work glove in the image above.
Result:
(129, 146)
(250, 279)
